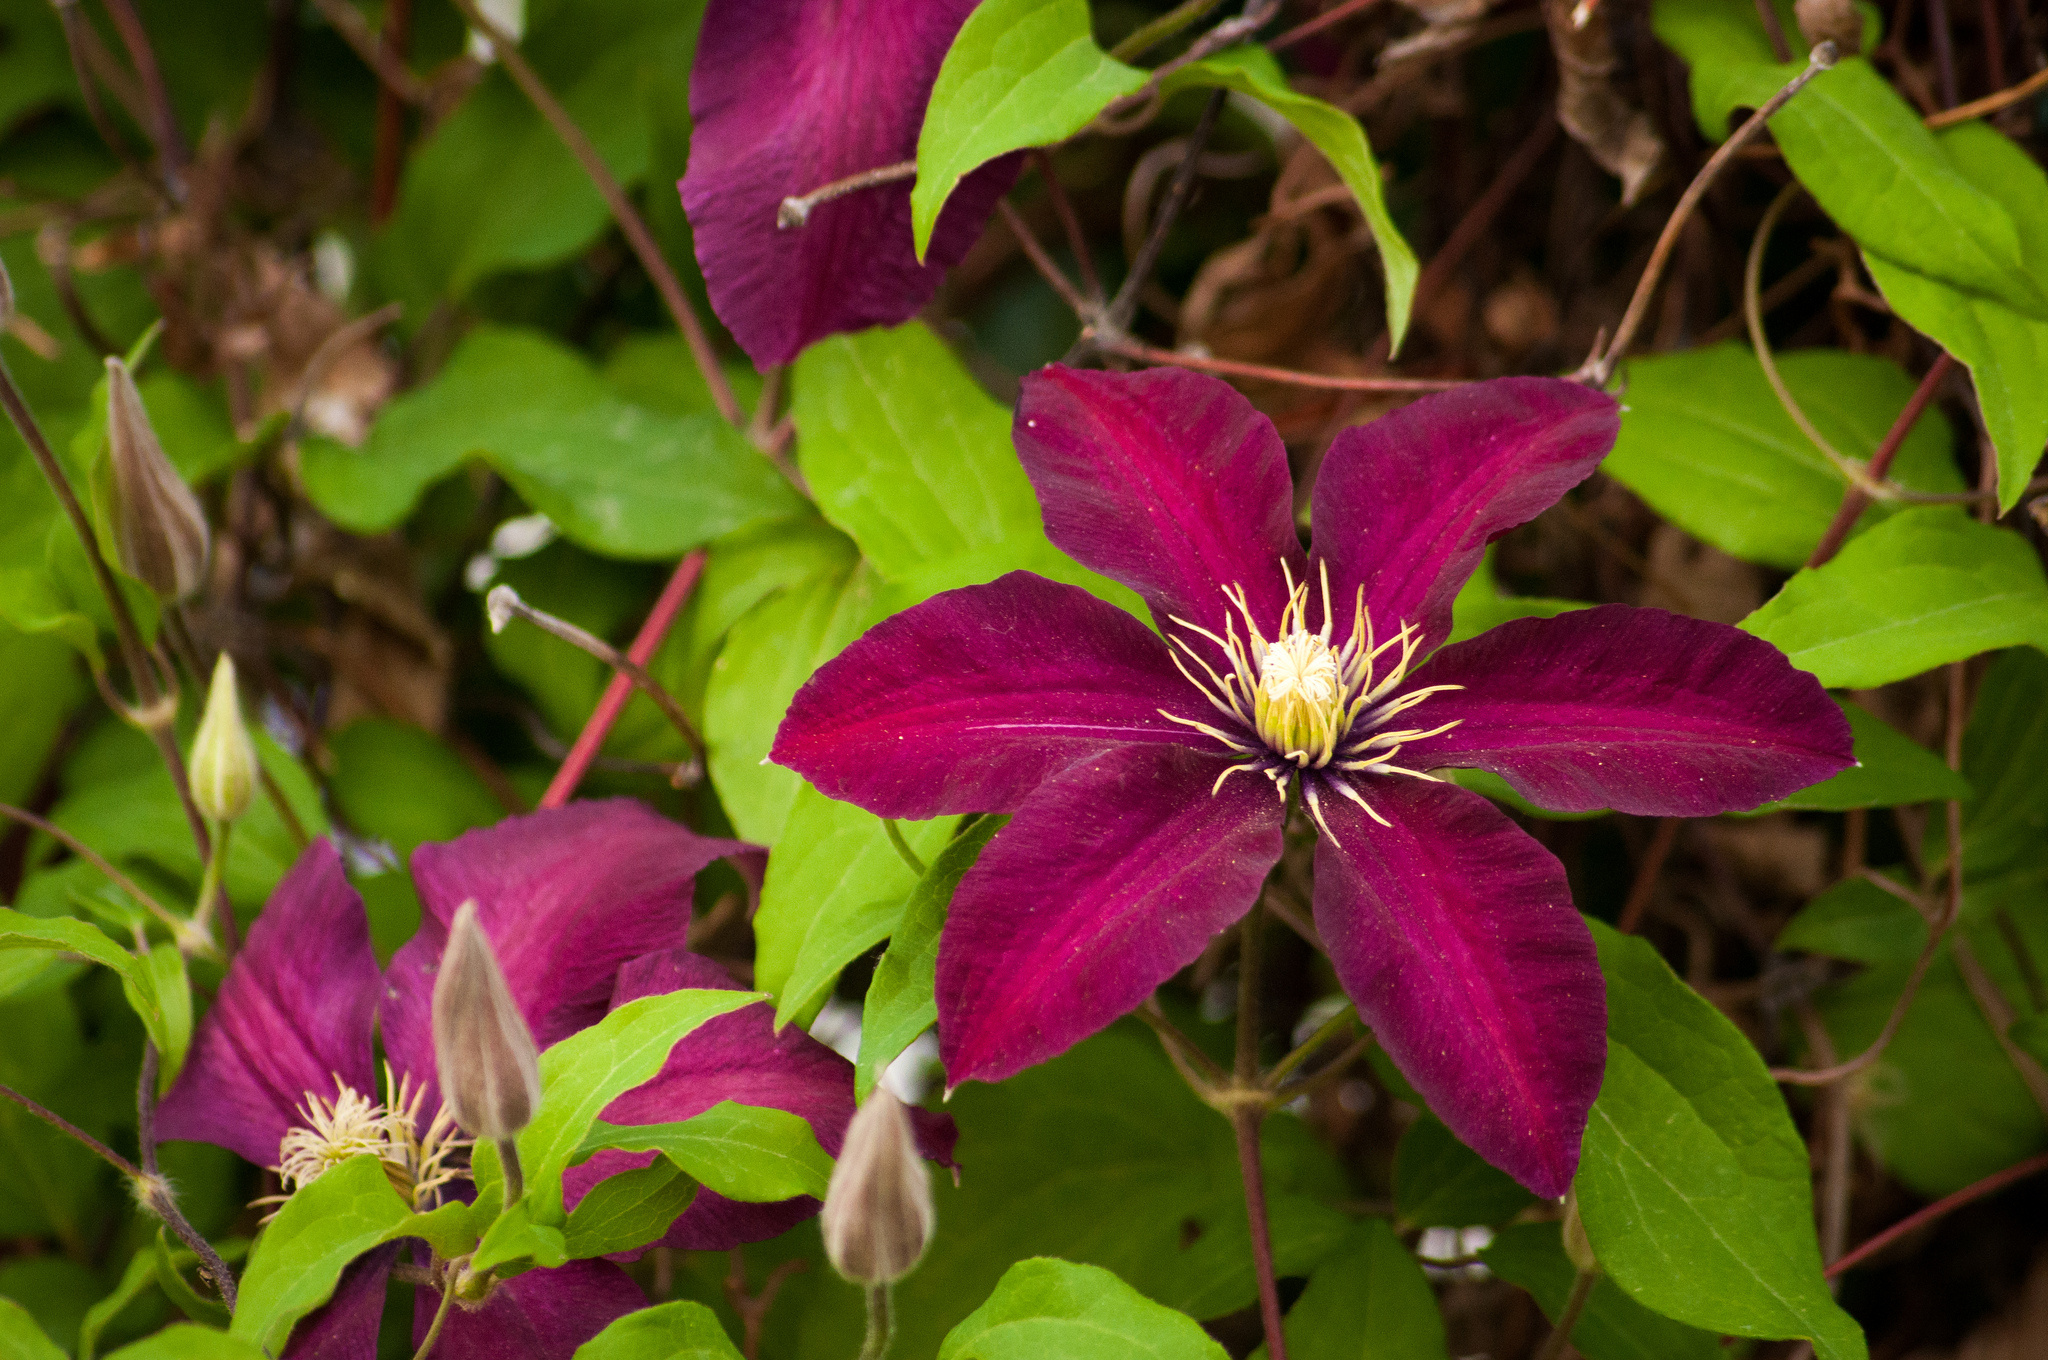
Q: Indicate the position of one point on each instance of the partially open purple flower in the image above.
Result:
(788, 96)
(1148, 777)
(586, 907)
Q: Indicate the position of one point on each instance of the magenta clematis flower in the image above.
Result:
(1148, 776)
(788, 96)
(587, 907)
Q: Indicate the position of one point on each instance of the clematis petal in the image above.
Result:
(789, 96)
(1109, 879)
(1632, 709)
(1455, 935)
(738, 1057)
(1168, 481)
(345, 1327)
(968, 701)
(1406, 505)
(293, 1014)
(566, 896)
(540, 1315)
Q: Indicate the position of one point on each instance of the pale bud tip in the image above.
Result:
(223, 757)
(489, 1067)
(499, 606)
(878, 1213)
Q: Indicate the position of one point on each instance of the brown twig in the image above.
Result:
(1149, 35)
(1997, 1181)
(1944, 51)
(1559, 1340)
(753, 1308)
(1042, 262)
(156, 1192)
(170, 142)
(1070, 222)
(76, 36)
(1855, 500)
(394, 44)
(795, 211)
(1316, 25)
(1118, 314)
(384, 55)
(1990, 103)
(1774, 29)
(1232, 368)
(638, 238)
(1645, 886)
(1834, 1128)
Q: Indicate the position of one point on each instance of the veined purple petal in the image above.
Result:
(1406, 505)
(737, 1057)
(789, 96)
(293, 1014)
(1109, 879)
(1168, 481)
(345, 1327)
(1632, 709)
(1455, 935)
(540, 1315)
(566, 896)
(969, 701)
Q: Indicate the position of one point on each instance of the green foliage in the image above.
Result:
(1924, 588)
(1694, 1185)
(1613, 1325)
(668, 1331)
(1045, 1307)
(1892, 770)
(627, 1211)
(1439, 1182)
(301, 1255)
(22, 1336)
(1372, 1291)
(743, 1152)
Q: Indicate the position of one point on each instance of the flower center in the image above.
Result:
(1299, 708)
(351, 1124)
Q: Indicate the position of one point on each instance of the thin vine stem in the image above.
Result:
(908, 855)
(182, 930)
(1560, 1335)
(1245, 1119)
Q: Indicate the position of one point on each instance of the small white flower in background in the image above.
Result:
(509, 15)
(334, 266)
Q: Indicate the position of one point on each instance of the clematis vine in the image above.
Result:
(1149, 775)
(587, 908)
(787, 97)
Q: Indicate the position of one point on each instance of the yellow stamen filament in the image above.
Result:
(351, 1124)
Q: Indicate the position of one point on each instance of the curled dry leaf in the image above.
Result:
(1621, 138)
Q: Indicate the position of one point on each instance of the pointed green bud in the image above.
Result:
(159, 529)
(878, 1206)
(223, 758)
(490, 1070)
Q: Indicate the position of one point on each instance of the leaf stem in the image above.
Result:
(1328, 1030)
(794, 212)
(1855, 500)
(66, 1127)
(156, 1192)
(440, 1316)
(1561, 1335)
(1232, 368)
(1245, 1119)
(1070, 222)
(515, 1175)
(917, 866)
(1118, 314)
(1645, 886)
(1151, 34)
(881, 1323)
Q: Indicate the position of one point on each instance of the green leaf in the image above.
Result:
(1694, 1185)
(136, 1280)
(586, 1071)
(627, 1211)
(190, 1341)
(321, 1228)
(1044, 1307)
(1706, 442)
(1893, 770)
(1020, 73)
(514, 1237)
(835, 888)
(1613, 1325)
(768, 654)
(620, 480)
(398, 783)
(2004, 751)
(139, 981)
(1856, 919)
(1252, 71)
(1480, 605)
(1924, 588)
(1374, 1289)
(179, 1290)
(900, 1004)
(1439, 1182)
(750, 1153)
(1859, 147)
(670, 1331)
(40, 687)
(171, 992)
(2004, 348)
(21, 1337)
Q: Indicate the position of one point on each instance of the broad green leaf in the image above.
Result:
(1252, 72)
(899, 1004)
(1924, 588)
(627, 1211)
(835, 888)
(1613, 1325)
(170, 1275)
(2005, 750)
(1856, 919)
(586, 1071)
(398, 783)
(620, 480)
(1374, 1293)
(21, 1337)
(40, 686)
(514, 1236)
(1705, 441)
(321, 1228)
(745, 1152)
(1892, 770)
(1481, 604)
(50, 1185)
(1694, 1185)
(1439, 1182)
(139, 981)
(190, 1341)
(138, 1279)
(656, 370)
(1859, 147)
(35, 70)
(670, 1331)
(2004, 348)
(1020, 73)
(1044, 1307)
(767, 655)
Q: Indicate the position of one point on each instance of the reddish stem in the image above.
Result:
(1854, 501)
(1996, 1181)
(645, 643)
(396, 41)
(1245, 1122)
(1319, 23)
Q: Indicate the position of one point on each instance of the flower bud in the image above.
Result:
(878, 1208)
(490, 1071)
(223, 759)
(159, 528)
(1836, 21)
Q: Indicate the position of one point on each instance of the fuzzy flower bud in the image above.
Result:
(159, 528)
(490, 1070)
(223, 758)
(878, 1208)
(1836, 21)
